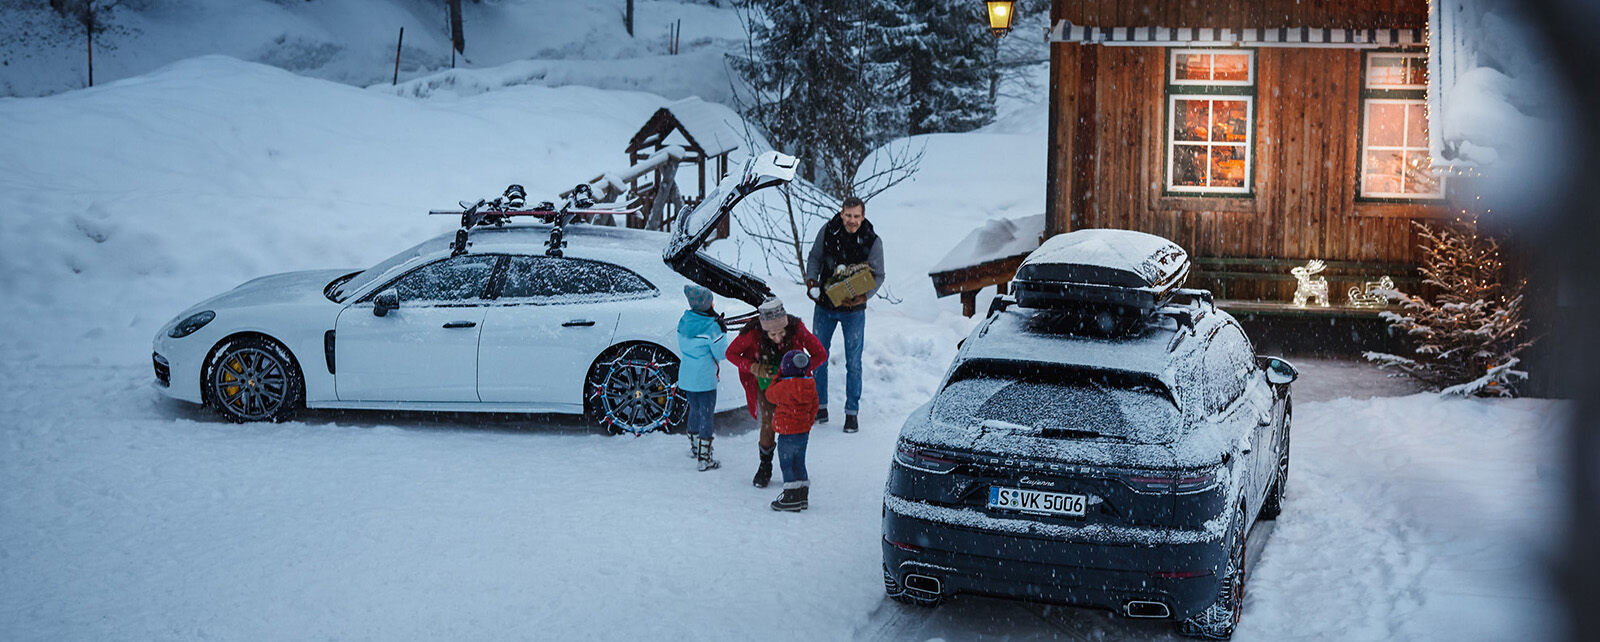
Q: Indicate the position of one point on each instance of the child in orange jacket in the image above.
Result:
(795, 395)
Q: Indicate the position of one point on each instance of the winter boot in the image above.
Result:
(794, 498)
(704, 458)
(850, 424)
(764, 471)
(694, 446)
(822, 415)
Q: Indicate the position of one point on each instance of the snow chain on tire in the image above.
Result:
(637, 371)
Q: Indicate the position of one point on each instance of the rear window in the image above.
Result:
(1059, 402)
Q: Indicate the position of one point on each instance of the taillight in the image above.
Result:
(1175, 482)
(923, 459)
(913, 548)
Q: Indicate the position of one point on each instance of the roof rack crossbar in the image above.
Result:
(497, 212)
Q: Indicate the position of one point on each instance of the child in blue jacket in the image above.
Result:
(702, 341)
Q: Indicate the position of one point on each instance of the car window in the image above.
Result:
(1227, 368)
(1054, 401)
(368, 276)
(458, 279)
(544, 279)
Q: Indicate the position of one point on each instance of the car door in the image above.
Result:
(426, 350)
(551, 318)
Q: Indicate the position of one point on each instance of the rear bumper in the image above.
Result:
(1095, 575)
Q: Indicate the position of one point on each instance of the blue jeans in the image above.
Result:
(702, 412)
(792, 456)
(855, 327)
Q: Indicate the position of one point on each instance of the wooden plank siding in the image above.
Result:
(1109, 129)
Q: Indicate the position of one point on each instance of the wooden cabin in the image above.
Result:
(1257, 135)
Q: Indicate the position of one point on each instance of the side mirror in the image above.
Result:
(1279, 372)
(384, 302)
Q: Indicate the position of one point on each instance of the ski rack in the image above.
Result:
(513, 202)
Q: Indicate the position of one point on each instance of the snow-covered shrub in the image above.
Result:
(1469, 335)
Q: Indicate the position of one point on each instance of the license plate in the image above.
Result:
(1036, 501)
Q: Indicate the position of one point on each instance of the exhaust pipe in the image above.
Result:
(926, 585)
(1145, 609)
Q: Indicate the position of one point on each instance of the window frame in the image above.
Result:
(1407, 95)
(1212, 90)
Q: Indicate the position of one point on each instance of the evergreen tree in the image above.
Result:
(951, 67)
(825, 81)
(1468, 337)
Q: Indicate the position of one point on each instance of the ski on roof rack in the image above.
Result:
(513, 203)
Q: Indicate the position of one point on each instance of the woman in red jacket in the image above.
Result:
(757, 352)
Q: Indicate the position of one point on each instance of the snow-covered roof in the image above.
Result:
(708, 125)
(999, 238)
(1151, 258)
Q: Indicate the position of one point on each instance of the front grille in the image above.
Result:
(163, 371)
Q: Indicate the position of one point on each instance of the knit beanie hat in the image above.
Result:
(699, 297)
(794, 363)
(772, 315)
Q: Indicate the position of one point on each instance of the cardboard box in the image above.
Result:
(856, 281)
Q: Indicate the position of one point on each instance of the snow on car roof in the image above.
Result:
(1020, 334)
(1155, 259)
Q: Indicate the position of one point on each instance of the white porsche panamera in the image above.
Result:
(492, 319)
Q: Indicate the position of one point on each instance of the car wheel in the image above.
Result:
(1217, 620)
(1273, 506)
(898, 593)
(252, 379)
(634, 389)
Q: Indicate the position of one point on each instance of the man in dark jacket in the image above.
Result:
(846, 241)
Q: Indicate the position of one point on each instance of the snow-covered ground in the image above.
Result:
(353, 41)
(124, 515)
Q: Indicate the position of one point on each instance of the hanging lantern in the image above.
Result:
(1000, 12)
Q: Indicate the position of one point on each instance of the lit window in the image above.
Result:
(1395, 162)
(1210, 133)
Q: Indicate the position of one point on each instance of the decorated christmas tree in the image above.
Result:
(1469, 334)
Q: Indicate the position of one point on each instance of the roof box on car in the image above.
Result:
(1124, 272)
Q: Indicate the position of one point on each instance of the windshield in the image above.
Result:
(365, 277)
(1059, 402)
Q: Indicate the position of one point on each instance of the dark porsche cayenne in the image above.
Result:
(1119, 471)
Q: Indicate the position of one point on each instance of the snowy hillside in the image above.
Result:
(353, 41)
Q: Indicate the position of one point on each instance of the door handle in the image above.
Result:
(577, 323)
(461, 324)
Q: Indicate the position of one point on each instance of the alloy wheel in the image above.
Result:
(250, 383)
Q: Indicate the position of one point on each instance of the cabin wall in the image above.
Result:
(1108, 157)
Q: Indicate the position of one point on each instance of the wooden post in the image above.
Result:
(969, 303)
(88, 33)
(397, 44)
(627, 20)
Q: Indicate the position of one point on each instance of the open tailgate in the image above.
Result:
(683, 253)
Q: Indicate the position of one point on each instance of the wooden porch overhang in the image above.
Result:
(1309, 37)
(967, 281)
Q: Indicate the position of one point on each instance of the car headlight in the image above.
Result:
(192, 324)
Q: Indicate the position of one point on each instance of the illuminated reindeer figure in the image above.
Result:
(1310, 288)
